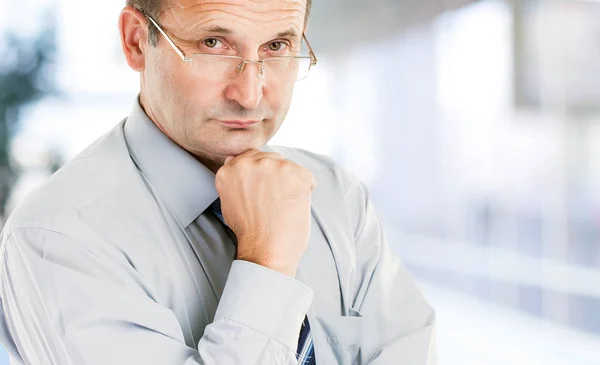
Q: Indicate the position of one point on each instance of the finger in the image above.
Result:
(313, 183)
(271, 155)
(248, 153)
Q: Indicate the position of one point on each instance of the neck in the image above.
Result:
(211, 163)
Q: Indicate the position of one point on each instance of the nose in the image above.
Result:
(247, 88)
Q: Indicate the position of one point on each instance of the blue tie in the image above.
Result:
(306, 350)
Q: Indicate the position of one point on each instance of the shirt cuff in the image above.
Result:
(266, 301)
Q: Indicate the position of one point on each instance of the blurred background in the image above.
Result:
(475, 125)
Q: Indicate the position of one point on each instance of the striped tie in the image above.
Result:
(305, 353)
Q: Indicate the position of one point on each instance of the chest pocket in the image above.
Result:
(343, 334)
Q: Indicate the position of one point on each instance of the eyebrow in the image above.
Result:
(217, 29)
(288, 33)
(221, 30)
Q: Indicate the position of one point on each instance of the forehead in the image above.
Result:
(237, 15)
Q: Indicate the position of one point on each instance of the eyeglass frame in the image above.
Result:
(260, 63)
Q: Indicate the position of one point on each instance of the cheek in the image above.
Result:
(163, 77)
(279, 96)
(187, 94)
(198, 98)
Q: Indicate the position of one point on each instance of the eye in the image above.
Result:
(211, 42)
(277, 46)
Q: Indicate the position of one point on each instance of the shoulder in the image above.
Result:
(326, 170)
(90, 177)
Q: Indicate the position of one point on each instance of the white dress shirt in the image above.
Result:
(117, 261)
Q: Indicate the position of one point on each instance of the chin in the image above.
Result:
(241, 142)
(238, 147)
(223, 143)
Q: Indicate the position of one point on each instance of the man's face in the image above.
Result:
(193, 108)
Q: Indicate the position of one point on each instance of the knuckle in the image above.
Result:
(274, 155)
(220, 175)
(285, 164)
(267, 162)
(244, 164)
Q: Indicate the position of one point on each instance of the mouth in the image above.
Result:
(239, 123)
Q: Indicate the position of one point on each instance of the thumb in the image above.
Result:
(229, 158)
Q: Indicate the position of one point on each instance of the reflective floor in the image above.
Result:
(473, 332)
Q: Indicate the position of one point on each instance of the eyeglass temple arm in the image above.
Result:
(310, 51)
(179, 51)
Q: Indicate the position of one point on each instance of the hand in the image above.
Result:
(265, 200)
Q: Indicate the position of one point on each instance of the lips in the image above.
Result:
(239, 123)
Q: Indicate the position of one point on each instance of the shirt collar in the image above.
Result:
(186, 185)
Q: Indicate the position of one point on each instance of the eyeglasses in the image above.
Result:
(219, 67)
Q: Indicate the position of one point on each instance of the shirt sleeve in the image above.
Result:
(393, 310)
(62, 305)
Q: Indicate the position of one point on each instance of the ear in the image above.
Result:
(133, 29)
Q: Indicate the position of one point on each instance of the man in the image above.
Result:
(180, 238)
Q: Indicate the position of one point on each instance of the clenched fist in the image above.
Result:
(265, 200)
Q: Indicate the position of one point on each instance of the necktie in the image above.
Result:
(305, 352)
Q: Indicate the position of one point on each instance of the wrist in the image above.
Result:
(285, 269)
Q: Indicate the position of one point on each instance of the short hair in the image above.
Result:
(153, 9)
